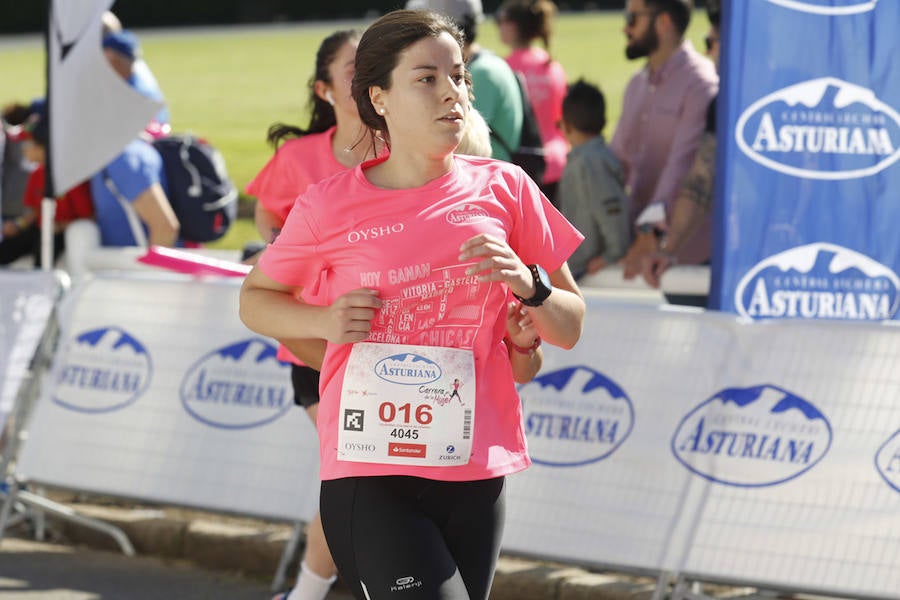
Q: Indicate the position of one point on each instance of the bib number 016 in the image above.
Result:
(389, 412)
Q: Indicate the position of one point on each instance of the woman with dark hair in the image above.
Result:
(412, 256)
(303, 157)
(327, 146)
(521, 23)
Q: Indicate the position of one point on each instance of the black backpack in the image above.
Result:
(203, 197)
(530, 153)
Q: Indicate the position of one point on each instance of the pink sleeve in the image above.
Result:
(292, 259)
(274, 186)
(541, 234)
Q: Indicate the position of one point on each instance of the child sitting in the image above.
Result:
(22, 236)
(592, 189)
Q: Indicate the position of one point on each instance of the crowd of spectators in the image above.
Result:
(643, 200)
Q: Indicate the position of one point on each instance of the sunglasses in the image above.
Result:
(631, 17)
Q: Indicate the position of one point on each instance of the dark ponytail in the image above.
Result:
(322, 115)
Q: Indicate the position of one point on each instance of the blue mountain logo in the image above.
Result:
(828, 7)
(819, 281)
(752, 437)
(408, 369)
(239, 386)
(887, 461)
(105, 369)
(821, 129)
(575, 416)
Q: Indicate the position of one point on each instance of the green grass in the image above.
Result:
(230, 84)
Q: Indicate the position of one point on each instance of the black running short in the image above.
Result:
(306, 385)
(426, 539)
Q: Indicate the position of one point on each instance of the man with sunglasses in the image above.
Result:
(662, 121)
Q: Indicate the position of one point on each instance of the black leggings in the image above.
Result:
(427, 539)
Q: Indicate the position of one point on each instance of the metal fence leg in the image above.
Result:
(686, 589)
(662, 586)
(9, 490)
(290, 550)
(54, 508)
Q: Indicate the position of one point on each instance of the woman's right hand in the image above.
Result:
(350, 316)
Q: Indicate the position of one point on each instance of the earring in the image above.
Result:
(381, 111)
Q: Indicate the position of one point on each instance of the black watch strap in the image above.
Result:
(542, 287)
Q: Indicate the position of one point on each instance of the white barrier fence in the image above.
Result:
(26, 302)
(158, 392)
(667, 440)
(694, 443)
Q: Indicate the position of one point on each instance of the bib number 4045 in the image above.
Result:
(405, 414)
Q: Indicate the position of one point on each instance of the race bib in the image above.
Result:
(407, 405)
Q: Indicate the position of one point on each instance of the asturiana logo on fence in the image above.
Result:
(239, 386)
(828, 7)
(575, 416)
(821, 129)
(819, 281)
(752, 437)
(887, 461)
(105, 369)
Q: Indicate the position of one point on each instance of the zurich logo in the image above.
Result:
(575, 416)
(752, 437)
(239, 386)
(821, 129)
(408, 369)
(819, 281)
(887, 461)
(828, 7)
(105, 369)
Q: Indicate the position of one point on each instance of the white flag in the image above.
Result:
(94, 113)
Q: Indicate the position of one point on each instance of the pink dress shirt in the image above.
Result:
(663, 117)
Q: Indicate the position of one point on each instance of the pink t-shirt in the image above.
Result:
(546, 84)
(296, 165)
(405, 243)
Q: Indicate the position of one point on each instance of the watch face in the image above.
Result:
(542, 276)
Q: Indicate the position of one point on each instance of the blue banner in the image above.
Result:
(808, 180)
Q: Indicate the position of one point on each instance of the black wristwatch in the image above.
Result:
(542, 287)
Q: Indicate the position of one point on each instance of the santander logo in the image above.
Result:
(828, 7)
(824, 128)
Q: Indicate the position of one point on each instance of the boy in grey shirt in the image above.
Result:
(591, 192)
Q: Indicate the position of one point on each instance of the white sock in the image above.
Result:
(310, 586)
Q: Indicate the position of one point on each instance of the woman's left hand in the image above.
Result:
(520, 328)
(497, 262)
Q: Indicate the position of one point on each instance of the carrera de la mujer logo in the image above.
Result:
(819, 281)
(824, 128)
(238, 386)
